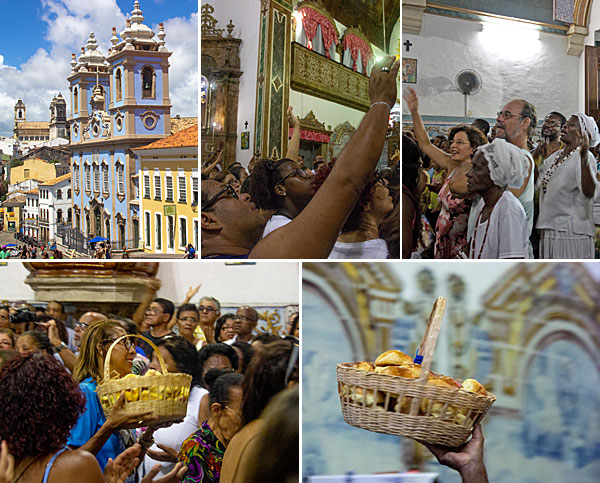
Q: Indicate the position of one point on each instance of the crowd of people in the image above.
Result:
(243, 391)
(280, 208)
(494, 193)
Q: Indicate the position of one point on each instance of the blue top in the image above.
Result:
(90, 422)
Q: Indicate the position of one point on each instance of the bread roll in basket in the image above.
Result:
(395, 395)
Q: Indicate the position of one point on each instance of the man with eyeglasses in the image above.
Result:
(247, 318)
(210, 311)
(231, 227)
(516, 123)
(67, 355)
(157, 317)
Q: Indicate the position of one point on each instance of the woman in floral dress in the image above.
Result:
(451, 228)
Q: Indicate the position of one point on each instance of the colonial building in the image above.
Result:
(13, 213)
(169, 192)
(33, 169)
(31, 133)
(54, 206)
(31, 213)
(118, 102)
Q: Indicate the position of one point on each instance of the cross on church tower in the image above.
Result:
(408, 44)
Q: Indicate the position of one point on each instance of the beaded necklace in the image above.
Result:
(473, 240)
(560, 159)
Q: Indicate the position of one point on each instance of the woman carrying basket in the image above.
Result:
(105, 437)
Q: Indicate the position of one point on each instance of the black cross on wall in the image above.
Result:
(408, 44)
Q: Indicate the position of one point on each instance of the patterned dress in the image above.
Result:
(451, 227)
(202, 452)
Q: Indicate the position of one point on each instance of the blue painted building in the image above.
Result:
(118, 102)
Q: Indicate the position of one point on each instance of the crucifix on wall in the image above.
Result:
(408, 44)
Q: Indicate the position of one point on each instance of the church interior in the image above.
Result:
(540, 51)
(312, 55)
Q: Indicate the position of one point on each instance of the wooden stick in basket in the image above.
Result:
(434, 325)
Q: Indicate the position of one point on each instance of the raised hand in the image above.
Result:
(411, 99)
(382, 83)
(192, 291)
(292, 119)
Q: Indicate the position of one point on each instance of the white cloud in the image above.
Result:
(69, 23)
(182, 39)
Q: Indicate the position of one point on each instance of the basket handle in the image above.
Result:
(161, 360)
(434, 325)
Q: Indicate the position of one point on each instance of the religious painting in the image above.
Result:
(246, 140)
(409, 71)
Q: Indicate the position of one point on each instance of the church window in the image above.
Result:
(75, 100)
(104, 178)
(58, 194)
(69, 194)
(120, 179)
(75, 177)
(96, 178)
(119, 85)
(148, 81)
(88, 180)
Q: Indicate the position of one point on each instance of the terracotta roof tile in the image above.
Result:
(54, 181)
(180, 123)
(185, 138)
(32, 192)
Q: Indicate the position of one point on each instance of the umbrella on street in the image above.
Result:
(97, 239)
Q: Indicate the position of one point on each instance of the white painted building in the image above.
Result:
(31, 213)
(55, 206)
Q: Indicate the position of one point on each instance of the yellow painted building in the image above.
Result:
(13, 213)
(168, 193)
(33, 169)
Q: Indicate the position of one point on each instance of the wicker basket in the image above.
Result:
(166, 395)
(410, 407)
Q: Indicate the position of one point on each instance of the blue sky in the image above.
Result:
(38, 36)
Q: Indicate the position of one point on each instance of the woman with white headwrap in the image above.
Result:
(567, 186)
(501, 227)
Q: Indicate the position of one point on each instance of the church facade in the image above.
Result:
(118, 102)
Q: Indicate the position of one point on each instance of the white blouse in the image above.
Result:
(564, 207)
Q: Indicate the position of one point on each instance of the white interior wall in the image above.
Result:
(262, 283)
(510, 65)
(589, 40)
(246, 21)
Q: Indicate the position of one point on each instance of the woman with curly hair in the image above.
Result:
(452, 223)
(224, 328)
(36, 428)
(281, 188)
(105, 437)
(359, 237)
